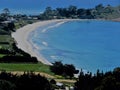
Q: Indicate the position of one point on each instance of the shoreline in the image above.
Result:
(23, 42)
(116, 19)
(22, 34)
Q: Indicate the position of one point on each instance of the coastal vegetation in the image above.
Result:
(8, 49)
(86, 81)
(66, 70)
(100, 81)
(72, 12)
(29, 80)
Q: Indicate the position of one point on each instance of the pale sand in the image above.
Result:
(116, 19)
(21, 36)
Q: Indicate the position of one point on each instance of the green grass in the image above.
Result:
(2, 55)
(25, 67)
(5, 38)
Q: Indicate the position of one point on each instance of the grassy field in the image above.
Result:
(6, 41)
(2, 55)
(25, 67)
(5, 38)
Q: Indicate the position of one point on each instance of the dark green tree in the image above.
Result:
(11, 26)
(72, 11)
(69, 70)
(6, 13)
(57, 68)
(6, 85)
(108, 83)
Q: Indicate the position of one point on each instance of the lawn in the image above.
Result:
(2, 55)
(5, 38)
(6, 41)
(43, 69)
(25, 67)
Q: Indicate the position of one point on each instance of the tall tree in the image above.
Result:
(69, 70)
(6, 12)
(72, 10)
(65, 70)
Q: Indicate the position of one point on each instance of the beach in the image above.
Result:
(21, 37)
(94, 43)
(116, 19)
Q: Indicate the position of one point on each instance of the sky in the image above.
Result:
(37, 6)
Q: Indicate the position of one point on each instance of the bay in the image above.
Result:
(89, 44)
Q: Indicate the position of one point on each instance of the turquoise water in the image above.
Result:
(89, 45)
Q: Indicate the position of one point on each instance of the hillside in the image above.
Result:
(98, 12)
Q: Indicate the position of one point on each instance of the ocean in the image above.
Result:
(88, 44)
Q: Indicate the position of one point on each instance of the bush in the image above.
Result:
(6, 85)
(65, 70)
(27, 81)
(18, 59)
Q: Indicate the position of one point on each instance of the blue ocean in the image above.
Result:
(88, 44)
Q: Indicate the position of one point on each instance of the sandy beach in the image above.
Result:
(21, 37)
(116, 19)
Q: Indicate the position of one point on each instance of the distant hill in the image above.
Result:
(98, 12)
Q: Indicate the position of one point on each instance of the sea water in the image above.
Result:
(89, 44)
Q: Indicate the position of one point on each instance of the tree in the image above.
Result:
(69, 70)
(109, 9)
(6, 12)
(26, 81)
(72, 10)
(99, 11)
(117, 70)
(108, 83)
(48, 14)
(65, 70)
(6, 85)
(81, 13)
(11, 26)
(99, 7)
(57, 68)
(31, 81)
